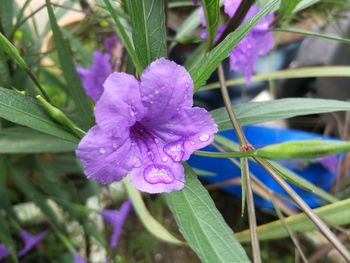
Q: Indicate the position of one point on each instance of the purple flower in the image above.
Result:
(330, 163)
(30, 241)
(194, 2)
(4, 252)
(259, 41)
(78, 259)
(111, 42)
(147, 128)
(93, 77)
(116, 218)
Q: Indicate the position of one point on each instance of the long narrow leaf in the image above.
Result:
(24, 140)
(75, 88)
(202, 225)
(259, 112)
(26, 111)
(212, 17)
(119, 27)
(337, 213)
(148, 29)
(152, 225)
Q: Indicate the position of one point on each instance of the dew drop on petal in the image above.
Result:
(114, 145)
(155, 174)
(204, 137)
(137, 162)
(164, 159)
(102, 150)
(132, 111)
(156, 140)
(175, 150)
(150, 155)
(192, 142)
(156, 92)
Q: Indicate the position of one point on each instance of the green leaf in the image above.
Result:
(314, 34)
(24, 140)
(259, 112)
(5, 202)
(303, 149)
(287, 7)
(300, 181)
(201, 223)
(75, 88)
(30, 191)
(152, 225)
(307, 72)
(26, 111)
(12, 52)
(337, 214)
(148, 29)
(6, 238)
(203, 71)
(212, 17)
(6, 15)
(120, 30)
(196, 56)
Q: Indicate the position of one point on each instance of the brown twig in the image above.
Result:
(244, 146)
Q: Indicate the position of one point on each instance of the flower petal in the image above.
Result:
(165, 87)
(120, 105)
(244, 56)
(190, 130)
(93, 77)
(4, 252)
(158, 176)
(106, 158)
(30, 241)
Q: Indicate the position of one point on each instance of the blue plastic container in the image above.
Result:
(260, 136)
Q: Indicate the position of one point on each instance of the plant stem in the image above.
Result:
(243, 143)
(307, 210)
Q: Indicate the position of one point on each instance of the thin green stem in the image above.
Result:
(239, 154)
(246, 173)
(307, 210)
(288, 229)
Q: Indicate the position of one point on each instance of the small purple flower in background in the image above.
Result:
(258, 42)
(330, 163)
(147, 128)
(4, 252)
(116, 218)
(78, 259)
(30, 241)
(93, 77)
(194, 2)
(111, 42)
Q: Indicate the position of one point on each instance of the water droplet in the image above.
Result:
(114, 145)
(150, 155)
(204, 137)
(151, 102)
(164, 159)
(177, 109)
(132, 111)
(156, 92)
(137, 162)
(155, 174)
(186, 85)
(175, 150)
(192, 142)
(102, 150)
(156, 140)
